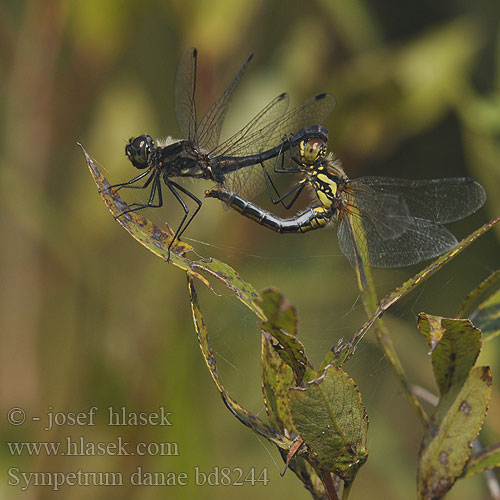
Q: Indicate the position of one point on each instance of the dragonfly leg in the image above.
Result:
(183, 225)
(135, 207)
(271, 187)
(129, 183)
(297, 189)
(287, 170)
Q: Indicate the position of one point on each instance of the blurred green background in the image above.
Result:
(90, 318)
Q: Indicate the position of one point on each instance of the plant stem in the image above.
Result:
(327, 479)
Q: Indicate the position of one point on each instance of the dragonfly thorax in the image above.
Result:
(182, 159)
(328, 181)
(138, 150)
(325, 188)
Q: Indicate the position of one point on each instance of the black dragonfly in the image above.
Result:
(269, 135)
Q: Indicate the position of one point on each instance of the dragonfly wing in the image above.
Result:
(184, 94)
(211, 124)
(263, 134)
(439, 200)
(366, 236)
(271, 113)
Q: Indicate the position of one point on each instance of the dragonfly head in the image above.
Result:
(138, 150)
(312, 150)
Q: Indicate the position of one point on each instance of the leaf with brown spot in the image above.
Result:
(281, 324)
(455, 345)
(277, 378)
(456, 422)
(331, 419)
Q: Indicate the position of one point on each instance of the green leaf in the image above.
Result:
(158, 240)
(455, 346)
(278, 311)
(483, 460)
(455, 423)
(334, 355)
(277, 378)
(243, 290)
(332, 421)
(281, 323)
(238, 411)
(487, 317)
(277, 359)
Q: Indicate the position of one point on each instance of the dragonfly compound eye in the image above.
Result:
(312, 150)
(138, 150)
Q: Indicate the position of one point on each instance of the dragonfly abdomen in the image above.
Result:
(312, 218)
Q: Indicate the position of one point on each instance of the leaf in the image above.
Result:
(332, 421)
(477, 292)
(278, 311)
(281, 323)
(483, 460)
(158, 240)
(243, 290)
(238, 411)
(487, 317)
(277, 378)
(333, 355)
(455, 345)
(455, 423)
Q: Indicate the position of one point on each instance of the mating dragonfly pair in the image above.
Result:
(382, 222)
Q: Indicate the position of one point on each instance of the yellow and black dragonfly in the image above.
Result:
(382, 221)
(270, 134)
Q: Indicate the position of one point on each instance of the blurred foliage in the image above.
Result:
(89, 318)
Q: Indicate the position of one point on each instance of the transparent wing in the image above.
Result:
(253, 181)
(184, 93)
(269, 115)
(440, 200)
(268, 131)
(396, 222)
(211, 124)
(266, 134)
(414, 241)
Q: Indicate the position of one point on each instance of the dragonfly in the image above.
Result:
(381, 221)
(270, 134)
